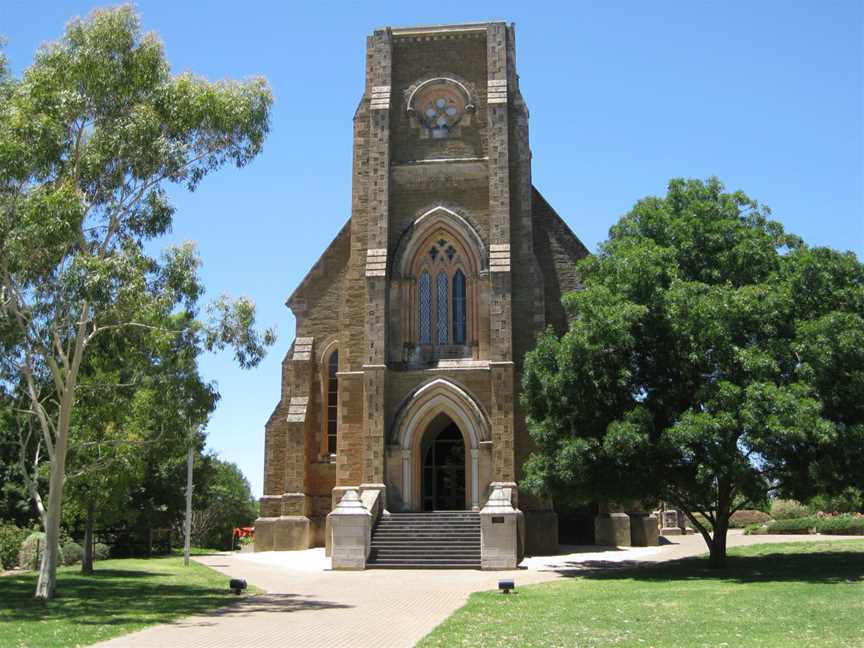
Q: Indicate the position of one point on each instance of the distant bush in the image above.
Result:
(746, 517)
(843, 524)
(31, 550)
(788, 510)
(101, 551)
(793, 526)
(72, 553)
(11, 538)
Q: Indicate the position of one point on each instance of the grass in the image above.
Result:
(780, 595)
(121, 596)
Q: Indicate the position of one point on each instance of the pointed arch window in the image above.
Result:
(331, 404)
(443, 294)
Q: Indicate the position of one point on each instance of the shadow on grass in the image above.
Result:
(114, 597)
(781, 566)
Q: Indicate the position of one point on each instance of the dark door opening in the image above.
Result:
(444, 471)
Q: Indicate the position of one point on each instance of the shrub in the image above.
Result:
(793, 526)
(72, 553)
(31, 550)
(755, 529)
(11, 538)
(101, 551)
(746, 517)
(843, 524)
(788, 510)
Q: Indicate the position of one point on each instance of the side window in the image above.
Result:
(332, 398)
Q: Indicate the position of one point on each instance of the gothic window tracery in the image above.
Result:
(442, 294)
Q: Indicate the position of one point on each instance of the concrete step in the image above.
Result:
(438, 540)
(424, 564)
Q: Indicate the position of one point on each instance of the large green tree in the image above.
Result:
(90, 136)
(709, 359)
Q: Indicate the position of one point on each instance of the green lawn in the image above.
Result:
(121, 596)
(779, 595)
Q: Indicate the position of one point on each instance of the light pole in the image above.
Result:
(188, 522)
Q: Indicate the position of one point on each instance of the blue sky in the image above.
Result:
(623, 96)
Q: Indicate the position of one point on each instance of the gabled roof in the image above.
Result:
(318, 266)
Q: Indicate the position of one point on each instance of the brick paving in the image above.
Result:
(309, 606)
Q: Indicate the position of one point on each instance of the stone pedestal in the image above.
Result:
(501, 527)
(351, 528)
(644, 530)
(670, 523)
(335, 497)
(612, 529)
(284, 533)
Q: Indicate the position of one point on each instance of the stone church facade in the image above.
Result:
(400, 392)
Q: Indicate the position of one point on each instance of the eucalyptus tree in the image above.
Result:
(710, 358)
(90, 137)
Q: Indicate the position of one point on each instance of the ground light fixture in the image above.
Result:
(238, 585)
(506, 585)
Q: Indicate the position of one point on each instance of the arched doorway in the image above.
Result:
(423, 416)
(444, 468)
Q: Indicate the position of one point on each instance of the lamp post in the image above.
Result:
(188, 522)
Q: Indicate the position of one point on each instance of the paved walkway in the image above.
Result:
(307, 605)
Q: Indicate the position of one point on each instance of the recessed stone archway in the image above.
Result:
(422, 407)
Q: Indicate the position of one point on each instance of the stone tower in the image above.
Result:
(403, 379)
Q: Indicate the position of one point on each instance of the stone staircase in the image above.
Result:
(439, 540)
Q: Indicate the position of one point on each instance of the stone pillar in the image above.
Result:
(351, 529)
(612, 528)
(378, 199)
(644, 530)
(285, 521)
(501, 529)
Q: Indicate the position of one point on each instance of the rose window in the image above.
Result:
(440, 109)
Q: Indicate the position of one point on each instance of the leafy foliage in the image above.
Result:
(101, 551)
(90, 137)
(11, 539)
(223, 502)
(711, 357)
(31, 550)
(73, 553)
(788, 510)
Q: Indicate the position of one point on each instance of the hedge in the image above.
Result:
(844, 524)
(841, 525)
(795, 526)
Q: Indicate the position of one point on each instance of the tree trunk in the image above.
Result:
(717, 548)
(87, 562)
(47, 582)
(48, 571)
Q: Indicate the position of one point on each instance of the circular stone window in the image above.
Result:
(439, 108)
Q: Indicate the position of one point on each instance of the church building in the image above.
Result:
(399, 409)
